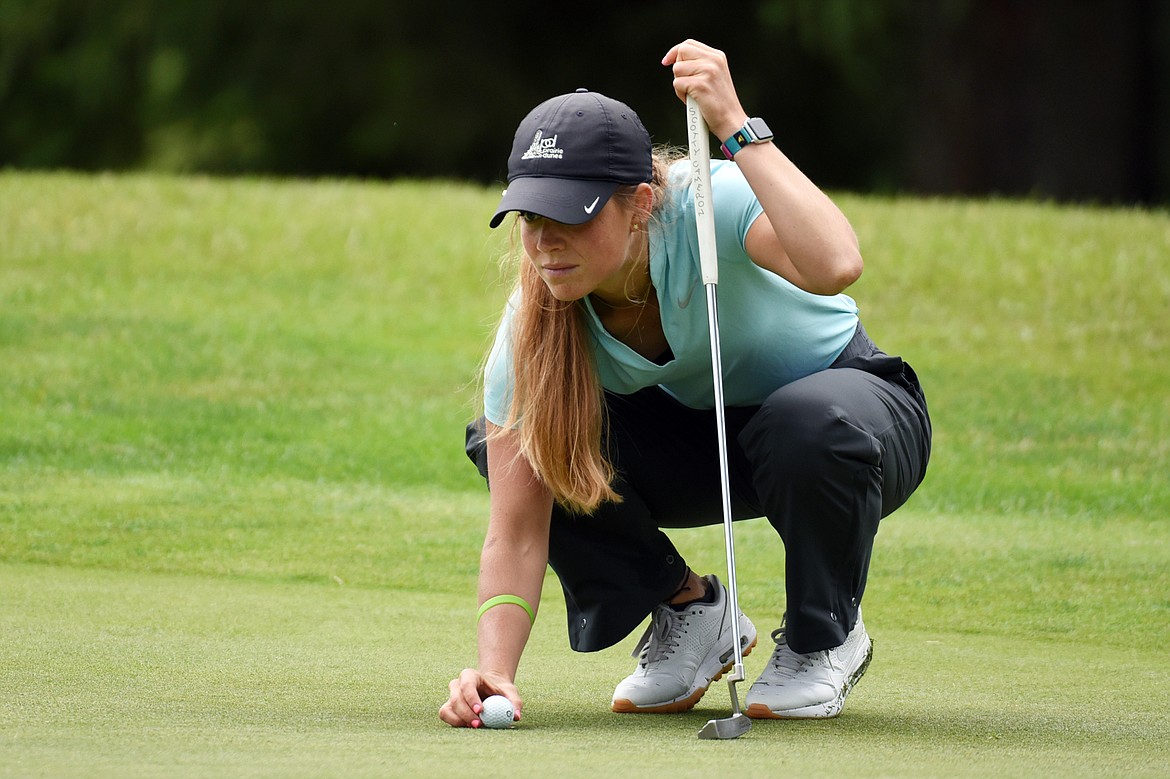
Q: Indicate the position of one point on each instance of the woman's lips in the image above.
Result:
(558, 269)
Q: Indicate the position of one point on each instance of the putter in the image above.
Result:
(700, 152)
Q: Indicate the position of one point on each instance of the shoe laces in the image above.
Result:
(787, 662)
(662, 635)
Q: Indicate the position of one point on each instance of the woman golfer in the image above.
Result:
(598, 425)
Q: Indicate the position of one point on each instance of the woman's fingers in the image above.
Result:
(702, 72)
(466, 693)
(463, 703)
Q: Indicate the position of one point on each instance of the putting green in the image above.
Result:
(115, 674)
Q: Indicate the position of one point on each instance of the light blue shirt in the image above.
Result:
(771, 332)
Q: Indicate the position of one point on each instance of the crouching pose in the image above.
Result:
(598, 428)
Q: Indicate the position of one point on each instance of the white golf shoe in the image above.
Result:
(811, 686)
(681, 653)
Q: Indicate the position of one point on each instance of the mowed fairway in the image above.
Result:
(239, 535)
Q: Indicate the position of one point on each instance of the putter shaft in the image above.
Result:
(737, 673)
(700, 157)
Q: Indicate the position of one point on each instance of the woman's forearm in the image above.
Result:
(508, 568)
(514, 556)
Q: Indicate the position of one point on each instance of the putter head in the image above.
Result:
(731, 727)
(735, 725)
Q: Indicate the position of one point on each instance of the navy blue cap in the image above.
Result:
(571, 153)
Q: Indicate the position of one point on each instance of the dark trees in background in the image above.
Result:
(1064, 99)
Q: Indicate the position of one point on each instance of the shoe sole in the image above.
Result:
(827, 710)
(626, 706)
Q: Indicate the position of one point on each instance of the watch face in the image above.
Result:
(759, 129)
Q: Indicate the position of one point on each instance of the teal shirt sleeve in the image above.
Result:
(497, 371)
(736, 207)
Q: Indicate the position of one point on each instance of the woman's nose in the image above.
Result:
(548, 237)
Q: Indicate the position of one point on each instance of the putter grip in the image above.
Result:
(700, 152)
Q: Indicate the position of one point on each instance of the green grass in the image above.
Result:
(239, 536)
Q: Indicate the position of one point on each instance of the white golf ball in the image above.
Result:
(497, 712)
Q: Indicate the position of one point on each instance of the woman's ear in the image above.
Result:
(643, 203)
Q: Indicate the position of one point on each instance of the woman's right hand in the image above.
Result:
(468, 690)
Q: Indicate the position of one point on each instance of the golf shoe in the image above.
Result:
(681, 653)
(811, 686)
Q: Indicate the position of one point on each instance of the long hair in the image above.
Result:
(558, 405)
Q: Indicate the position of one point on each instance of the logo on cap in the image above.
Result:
(543, 148)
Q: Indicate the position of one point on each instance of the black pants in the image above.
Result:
(824, 458)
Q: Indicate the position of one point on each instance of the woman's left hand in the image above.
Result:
(701, 72)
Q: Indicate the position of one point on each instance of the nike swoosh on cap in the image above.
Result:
(589, 208)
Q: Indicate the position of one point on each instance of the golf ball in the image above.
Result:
(497, 712)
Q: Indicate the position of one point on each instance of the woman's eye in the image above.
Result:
(529, 217)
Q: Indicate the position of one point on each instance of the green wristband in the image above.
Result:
(502, 599)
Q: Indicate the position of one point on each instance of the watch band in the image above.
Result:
(737, 141)
(759, 133)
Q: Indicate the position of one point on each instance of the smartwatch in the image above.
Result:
(755, 130)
